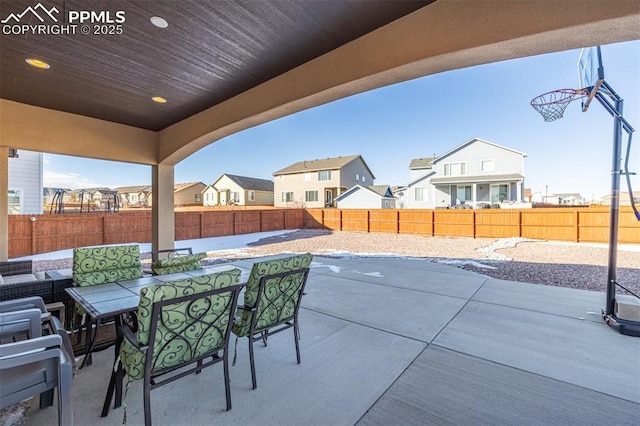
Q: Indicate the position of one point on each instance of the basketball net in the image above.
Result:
(551, 105)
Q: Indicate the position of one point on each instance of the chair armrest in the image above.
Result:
(16, 267)
(20, 322)
(128, 334)
(171, 252)
(23, 348)
(22, 304)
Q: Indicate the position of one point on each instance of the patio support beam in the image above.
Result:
(162, 212)
(4, 203)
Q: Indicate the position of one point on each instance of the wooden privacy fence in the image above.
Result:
(29, 234)
(32, 234)
(561, 224)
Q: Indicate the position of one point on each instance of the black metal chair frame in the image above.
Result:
(284, 324)
(150, 375)
(176, 252)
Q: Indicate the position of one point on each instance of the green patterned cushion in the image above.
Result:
(171, 265)
(200, 323)
(276, 306)
(100, 265)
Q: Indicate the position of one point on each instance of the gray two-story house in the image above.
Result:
(476, 174)
(317, 183)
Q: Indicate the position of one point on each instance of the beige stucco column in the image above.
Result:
(162, 212)
(4, 203)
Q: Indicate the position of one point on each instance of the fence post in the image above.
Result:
(520, 223)
(104, 229)
(368, 220)
(233, 215)
(201, 224)
(433, 223)
(577, 230)
(474, 223)
(397, 221)
(34, 241)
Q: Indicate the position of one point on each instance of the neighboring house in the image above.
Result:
(316, 183)
(570, 199)
(239, 191)
(400, 194)
(367, 197)
(475, 174)
(25, 182)
(185, 194)
(624, 198)
(134, 196)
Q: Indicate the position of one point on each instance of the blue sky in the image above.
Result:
(430, 115)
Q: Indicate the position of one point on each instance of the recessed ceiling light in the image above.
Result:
(159, 100)
(159, 22)
(38, 63)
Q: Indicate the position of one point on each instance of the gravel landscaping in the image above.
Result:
(574, 265)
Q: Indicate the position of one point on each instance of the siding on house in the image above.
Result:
(299, 184)
(25, 183)
(360, 197)
(474, 174)
(239, 190)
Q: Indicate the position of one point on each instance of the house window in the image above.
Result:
(499, 193)
(252, 196)
(464, 193)
(420, 194)
(324, 175)
(310, 196)
(364, 179)
(235, 196)
(357, 178)
(488, 165)
(455, 169)
(15, 201)
(287, 197)
(307, 177)
(198, 198)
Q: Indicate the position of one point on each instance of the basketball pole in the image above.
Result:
(614, 208)
(615, 107)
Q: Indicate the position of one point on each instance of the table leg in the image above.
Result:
(115, 382)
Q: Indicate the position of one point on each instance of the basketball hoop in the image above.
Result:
(551, 105)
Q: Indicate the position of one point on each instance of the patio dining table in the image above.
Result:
(112, 300)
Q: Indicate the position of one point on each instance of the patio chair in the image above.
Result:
(180, 324)
(271, 302)
(34, 366)
(171, 261)
(51, 324)
(102, 265)
(17, 280)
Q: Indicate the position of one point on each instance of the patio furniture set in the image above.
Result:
(169, 325)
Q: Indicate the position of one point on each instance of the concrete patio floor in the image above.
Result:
(398, 341)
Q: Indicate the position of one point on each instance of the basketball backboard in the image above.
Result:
(590, 73)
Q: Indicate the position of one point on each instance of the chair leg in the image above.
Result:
(46, 398)
(199, 367)
(147, 402)
(296, 338)
(264, 337)
(65, 395)
(227, 382)
(253, 365)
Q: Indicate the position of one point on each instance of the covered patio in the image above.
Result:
(406, 341)
(222, 67)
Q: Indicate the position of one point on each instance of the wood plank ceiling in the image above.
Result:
(211, 51)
